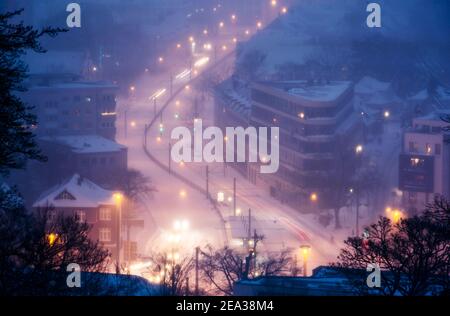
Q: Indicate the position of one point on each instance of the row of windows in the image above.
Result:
(294, 109)
(291, 125)
(89, 98)
(101, 161)
(428, 149)
(105, 214)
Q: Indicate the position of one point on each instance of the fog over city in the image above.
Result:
(231, 148)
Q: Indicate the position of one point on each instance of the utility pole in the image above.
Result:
(197, 255)
(249, 232)
(357, 213)
(118, 237)
(125, 123)
(207, 182)
(234, 196)
(170, 158)
(145, 135)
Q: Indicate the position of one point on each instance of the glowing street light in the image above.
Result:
(51, 238)
(205, 32)
(359, 149)
(161, 59)
(118, 199)
(305, 252)
(182, 194)
(313, 197)
(273, 3)
(133, 124)
(220, 197)
(178, 45)
(247, 32)
(221, 24)
(259, 25)
(386, 114)
(284, 10)
(233, 17)
(132, 88)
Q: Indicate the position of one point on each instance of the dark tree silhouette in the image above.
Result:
(222, 268)
(132, 183)
(413, 255)
(17, 142)
(36, 249)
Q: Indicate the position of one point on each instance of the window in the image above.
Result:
(104, 234)
(428, 149)
(65, 195)
(81, 216)
(412, 147)
(105, 214)
(437, 149)
(51, 216)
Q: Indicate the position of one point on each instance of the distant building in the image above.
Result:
(325, 281)
(425, 162)
(426, 101)
(66, 98)
(376, 102)
(74, 108)
(314, 119)
(91, 156)
(91, 203)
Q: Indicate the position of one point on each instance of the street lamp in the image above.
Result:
(313, 197)
(220, 197)
(359, 149)
(118, 198)
(305, 251)
(51, 238)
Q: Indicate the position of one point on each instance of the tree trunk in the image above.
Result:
(337, 221)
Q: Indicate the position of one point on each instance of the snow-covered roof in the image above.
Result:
(76, 85)
(383, 98)
(320, 92)
(57, 62)
(441, 93)
(370, 85)
(84, 144)
(81, 192)
(435, 116)
(313, 92)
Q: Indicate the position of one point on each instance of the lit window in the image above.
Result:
(104, 234)
(416, 162)
(428, 149)
(105, 214)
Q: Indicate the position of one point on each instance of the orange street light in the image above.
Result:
(305, 252)
(51, 238)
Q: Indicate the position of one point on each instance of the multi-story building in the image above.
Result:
(74, 108)
(66, 97)
(316, 120)
(91, 156)
(425, 162)
(90, 203)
